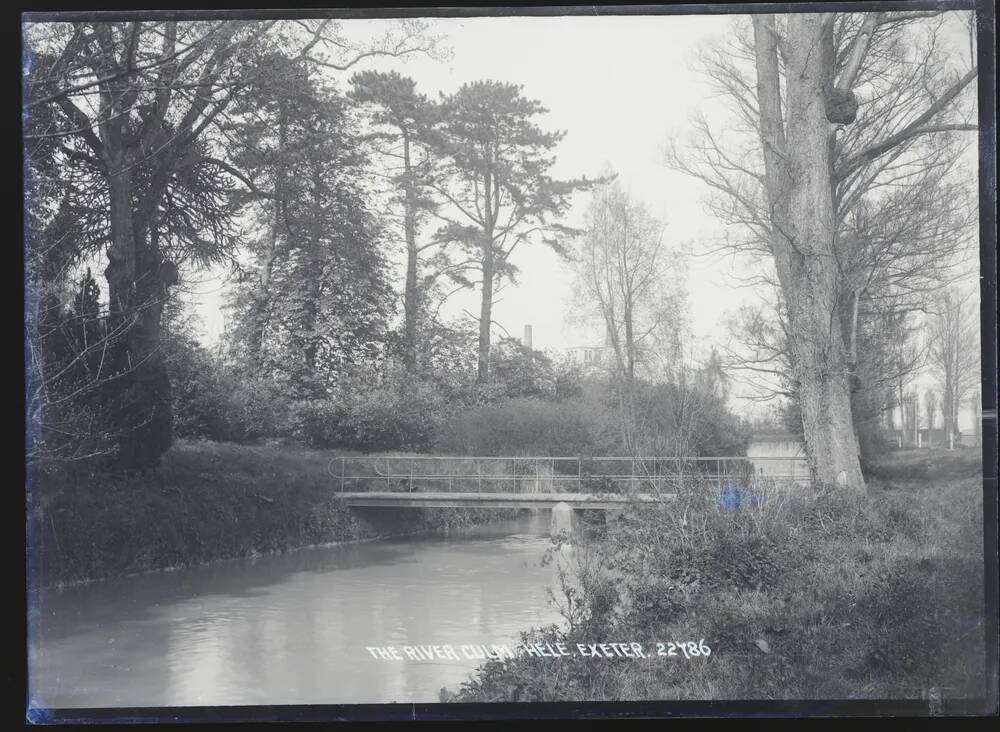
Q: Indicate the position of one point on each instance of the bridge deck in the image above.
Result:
(495, 500)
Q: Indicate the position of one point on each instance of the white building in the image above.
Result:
(591, 357)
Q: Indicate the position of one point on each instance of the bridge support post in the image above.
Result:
(562, 519)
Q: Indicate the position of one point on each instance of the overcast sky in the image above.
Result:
(620, 87)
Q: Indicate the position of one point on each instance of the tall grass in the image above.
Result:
(800, 594)
(205, 501)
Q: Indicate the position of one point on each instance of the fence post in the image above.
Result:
(341, 474)
(411, 476)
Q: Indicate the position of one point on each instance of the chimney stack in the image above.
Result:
(526, 341)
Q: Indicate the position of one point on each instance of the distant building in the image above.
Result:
(592, 357)
(778, 453)
(968, 429)
(526, 340)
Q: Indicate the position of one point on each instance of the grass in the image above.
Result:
(810, 596)
(205, 501)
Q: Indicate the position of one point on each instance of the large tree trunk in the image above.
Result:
(411, 295)
(486, 312)
(279, 222)
(797, 156)
(120, 272)
(138, 286)
(489, 272)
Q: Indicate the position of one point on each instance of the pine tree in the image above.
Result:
(493, 165)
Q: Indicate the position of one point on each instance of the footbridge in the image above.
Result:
(602, 483)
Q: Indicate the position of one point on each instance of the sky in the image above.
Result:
(619, 87)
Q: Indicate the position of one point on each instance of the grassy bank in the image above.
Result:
(205, 501)
(809, 595)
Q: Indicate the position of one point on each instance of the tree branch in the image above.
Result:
(914, 128)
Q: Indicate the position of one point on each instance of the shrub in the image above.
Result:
(391, 413)
(211, 401)
(523, 426)
(804, 594)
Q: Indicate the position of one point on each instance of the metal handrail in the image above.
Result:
(651, 469)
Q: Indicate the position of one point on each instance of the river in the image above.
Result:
(292, 628)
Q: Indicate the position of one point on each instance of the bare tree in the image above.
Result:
(953, 338)
(623, 276)
(838, 110)
(931, 404)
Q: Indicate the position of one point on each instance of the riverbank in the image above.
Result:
(205, 501)
(805, 596)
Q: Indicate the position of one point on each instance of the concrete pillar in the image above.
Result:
(562, 519)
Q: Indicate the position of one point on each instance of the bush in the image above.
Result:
(522, 426)
(681, 417)
(804, 595)
(393, 413)
(210, 401)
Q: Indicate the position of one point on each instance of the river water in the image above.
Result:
(292, 628)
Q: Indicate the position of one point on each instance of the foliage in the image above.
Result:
(673, 419)
(213, 402)
(520, 371)
(130, 153)
(522, 426)
(400, 117)
(492, 164)
(627, 278)
(376, 412)
(71, 404)
(315, 302)
(899, 609)
(203, 502)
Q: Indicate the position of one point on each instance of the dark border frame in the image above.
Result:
(986, 39)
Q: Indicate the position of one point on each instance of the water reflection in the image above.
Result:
(292, 629)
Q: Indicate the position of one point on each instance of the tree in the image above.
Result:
(522, 371)
(315, 301)
(132, 113)
(818, 156)
(492, 170)
(931, 403)
(401, 117)
(623, 276)
(954, 350)
(623, 273)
